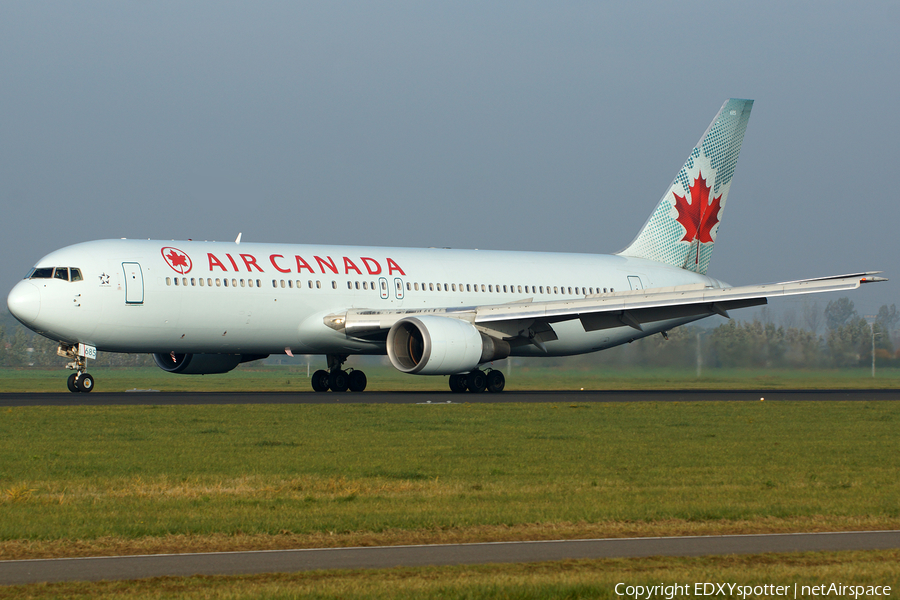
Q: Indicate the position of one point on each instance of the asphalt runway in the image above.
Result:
(144, 398)
(385, 557)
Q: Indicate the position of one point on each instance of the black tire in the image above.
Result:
(457, 383)
(476, 381)
(357, 381)
(320, 381)
(338, 381)
(85, 383)
(72, 385)
(495, 382)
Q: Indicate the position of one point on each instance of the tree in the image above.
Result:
(812, 316)
(839, 312)
(887, 318)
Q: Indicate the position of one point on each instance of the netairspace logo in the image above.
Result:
(736, 590)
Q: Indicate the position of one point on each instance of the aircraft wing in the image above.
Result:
(532, 322)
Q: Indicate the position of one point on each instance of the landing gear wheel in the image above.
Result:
(457, 383)
(476, 381)
(338, 381)
(85, 383)
(320, 381)
(357, 381)
(72, 383)
(495, 382)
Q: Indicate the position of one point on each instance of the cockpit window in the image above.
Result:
(64, 273)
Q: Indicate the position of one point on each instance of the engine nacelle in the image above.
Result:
(202, 364)
(432, 345)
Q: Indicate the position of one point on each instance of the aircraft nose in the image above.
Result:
(24, 302)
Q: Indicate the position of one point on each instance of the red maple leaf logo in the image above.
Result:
(178, 260)
(699, 216)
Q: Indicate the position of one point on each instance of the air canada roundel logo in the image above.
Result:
(178, 260)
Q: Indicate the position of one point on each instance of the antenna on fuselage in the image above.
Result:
(238, 240)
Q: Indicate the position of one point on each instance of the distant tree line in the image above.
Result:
(20, 347)
(795, 342)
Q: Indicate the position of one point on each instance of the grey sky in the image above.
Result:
(507, 125)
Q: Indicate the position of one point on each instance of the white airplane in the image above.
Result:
(205, 307)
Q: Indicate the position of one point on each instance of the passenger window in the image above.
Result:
(454, 287)
(168, 281)
(430, 287)
(318, 285)
(242, 283)
(282, 283)
(193, 282)
(555, 290)
(310, 284)
(349, 285)
(61, 273)
(482, 287)
(75, 274)
(209, 281)
(334, 285)
(184, 281)
(201, 282)
(408, 286)
(468, 287)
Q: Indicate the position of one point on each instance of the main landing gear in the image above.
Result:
(478, 381)
(80, 380)
(337, 379)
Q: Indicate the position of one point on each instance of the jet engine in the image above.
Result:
(202, 364)
(432, 345)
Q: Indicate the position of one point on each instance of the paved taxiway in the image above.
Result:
(384, 557)
(139, 398)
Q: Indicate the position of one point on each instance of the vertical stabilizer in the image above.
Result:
(682, 230)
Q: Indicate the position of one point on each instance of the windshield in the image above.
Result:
(63, 273)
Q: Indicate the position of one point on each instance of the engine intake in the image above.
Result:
(432, 345)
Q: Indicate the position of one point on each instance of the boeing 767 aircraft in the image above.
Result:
(205, 307)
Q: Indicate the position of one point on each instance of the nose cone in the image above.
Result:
(24, 302)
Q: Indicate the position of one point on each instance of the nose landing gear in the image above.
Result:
(80, 380)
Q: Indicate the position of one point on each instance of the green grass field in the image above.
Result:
(130, 473)
(382, 378)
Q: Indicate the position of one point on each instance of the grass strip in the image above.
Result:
(391, 472)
